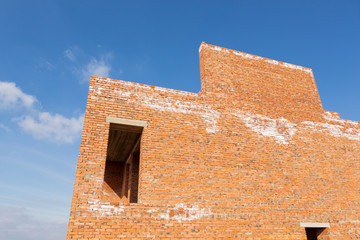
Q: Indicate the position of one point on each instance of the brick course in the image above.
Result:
(251, 156)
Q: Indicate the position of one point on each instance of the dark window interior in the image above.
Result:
(313, 233)
(122, 161)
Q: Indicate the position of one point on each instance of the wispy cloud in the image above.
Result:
(3, 127)
(17, 224)
(52, 127)
(12, 97)
(84, 65)
(70, 55)
(99, 67)
(40, 124)
(73, 53)
(43, 63)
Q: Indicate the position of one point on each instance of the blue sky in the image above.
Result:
(50, 48)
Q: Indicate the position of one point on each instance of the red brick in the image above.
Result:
(251, 156)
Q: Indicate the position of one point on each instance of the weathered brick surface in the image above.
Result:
(250, 156)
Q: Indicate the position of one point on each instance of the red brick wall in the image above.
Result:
(249, 157)
(113, 182)
(260, 85)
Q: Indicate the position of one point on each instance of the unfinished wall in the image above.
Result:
(251, 156)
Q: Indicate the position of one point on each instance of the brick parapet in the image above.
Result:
(259, 85)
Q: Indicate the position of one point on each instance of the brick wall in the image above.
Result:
(251, 156)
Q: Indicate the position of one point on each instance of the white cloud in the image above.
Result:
(56, 127)
(17, 224)
(2, 126)
(41, 125)
(11, 96)
(98, 67)
(84, 65)
(43, 63)
(70, 53)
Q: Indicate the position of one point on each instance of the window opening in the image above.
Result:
(316, 230)
(121, 178)
(313, 233)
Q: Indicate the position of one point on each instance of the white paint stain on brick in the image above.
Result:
(114, 81)
(272, 61)
(334, 130)
(246, 55)
(201, 46)
(185, 213)
(169, 104)
(216, 48)
(181, 212)
(209, 115)
(333, 118)
(249, 56)
(288, 65)
(140, 87)
(173, 91)
(105, 209)
(96, 89)
(280, 129)
(122, 93)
